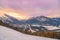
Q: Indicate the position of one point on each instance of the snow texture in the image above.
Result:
(10, 34)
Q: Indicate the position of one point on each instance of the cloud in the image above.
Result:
(18, 15)
(18, 4)
(33, 7)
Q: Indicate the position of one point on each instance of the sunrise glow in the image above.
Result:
(14, 13)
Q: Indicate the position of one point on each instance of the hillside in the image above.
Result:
(10, 34)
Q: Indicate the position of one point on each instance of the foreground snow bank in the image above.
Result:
(10, 34)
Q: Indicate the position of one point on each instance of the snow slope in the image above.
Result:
(10, 34)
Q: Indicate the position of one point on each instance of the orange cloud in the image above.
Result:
(15, 13)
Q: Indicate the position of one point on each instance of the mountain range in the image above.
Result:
(35, 23)
(42, 20)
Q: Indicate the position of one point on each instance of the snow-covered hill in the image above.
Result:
(10, 34)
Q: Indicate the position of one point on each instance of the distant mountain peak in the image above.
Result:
(41, 17)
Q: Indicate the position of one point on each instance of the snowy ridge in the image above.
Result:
(10, 34)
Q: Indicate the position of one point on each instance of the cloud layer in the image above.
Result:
(33, 7)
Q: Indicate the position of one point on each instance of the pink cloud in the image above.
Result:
(37, 7)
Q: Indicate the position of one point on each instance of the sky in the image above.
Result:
(50, 8)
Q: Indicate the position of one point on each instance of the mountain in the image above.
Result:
(38, 23)
(11, 20)
(42, 20)
(37, 20)
(44, 23)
